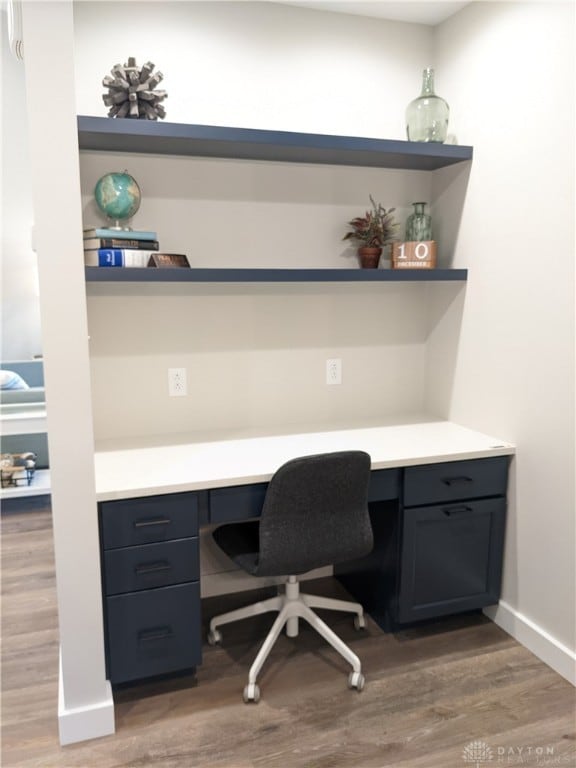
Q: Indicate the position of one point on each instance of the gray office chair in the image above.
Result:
(315, 513)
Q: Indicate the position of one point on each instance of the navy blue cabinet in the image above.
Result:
(452, 538)
(151, 586)
(438, 547)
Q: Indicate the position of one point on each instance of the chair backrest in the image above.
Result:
(315, 513)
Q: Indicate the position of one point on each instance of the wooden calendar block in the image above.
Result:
(414, 255)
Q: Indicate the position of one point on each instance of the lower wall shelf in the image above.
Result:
(40, 486)
(208, 275)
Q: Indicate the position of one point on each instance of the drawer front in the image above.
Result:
(131, 522)
(153, 632)
(238, 502)
(434, 483)
(151, 565)
(451, 558)
(384, 485)
(241, 502)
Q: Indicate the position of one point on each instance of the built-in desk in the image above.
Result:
(437, 501)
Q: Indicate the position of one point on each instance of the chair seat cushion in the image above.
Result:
(241, 542)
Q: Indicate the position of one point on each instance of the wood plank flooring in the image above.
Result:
(430, 692)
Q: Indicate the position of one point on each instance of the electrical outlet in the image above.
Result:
(177, 386)
(334, 371)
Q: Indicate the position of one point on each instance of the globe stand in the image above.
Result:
(116, 224)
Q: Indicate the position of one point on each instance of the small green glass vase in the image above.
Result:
(419, 224)
(427, 116)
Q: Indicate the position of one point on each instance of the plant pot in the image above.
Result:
(369, 257)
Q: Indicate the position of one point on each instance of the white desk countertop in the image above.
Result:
(178, 463)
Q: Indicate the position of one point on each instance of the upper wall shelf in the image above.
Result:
(150, 137)
(233, 275)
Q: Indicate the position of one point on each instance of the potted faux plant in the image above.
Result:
(373, 231)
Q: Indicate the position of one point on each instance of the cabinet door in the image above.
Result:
(451, 558)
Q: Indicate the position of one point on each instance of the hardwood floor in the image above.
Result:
(430, 692)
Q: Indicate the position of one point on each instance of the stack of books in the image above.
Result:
(118, 247)
(127, 248)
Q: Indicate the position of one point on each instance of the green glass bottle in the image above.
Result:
(419, 224)
(427, 116)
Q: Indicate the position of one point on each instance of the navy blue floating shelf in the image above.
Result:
(183, 275)
(105, 134)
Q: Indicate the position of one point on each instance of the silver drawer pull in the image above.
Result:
(456, 510)
(155, 521)
(143, 568)
(449, 481)
(155, 633)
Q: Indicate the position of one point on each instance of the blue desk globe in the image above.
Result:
(118, 197)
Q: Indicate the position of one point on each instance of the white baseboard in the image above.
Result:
(83, 723)
(549, 650)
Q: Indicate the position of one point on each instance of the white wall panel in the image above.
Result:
(20, 307)
(258, 65)
(266, 66)
(507, 71)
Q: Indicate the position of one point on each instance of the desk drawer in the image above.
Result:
(153, 632)
(433, 483)
(239, 502)
(384, 485)
(130, 522)
(132, 569)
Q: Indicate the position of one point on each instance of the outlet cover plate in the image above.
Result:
(333, 371)
(177, 385)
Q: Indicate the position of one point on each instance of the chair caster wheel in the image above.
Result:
(356, 680)
(214, 637)
(359, 622)
(251, 693)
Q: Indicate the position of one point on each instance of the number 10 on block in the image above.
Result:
(414, 255)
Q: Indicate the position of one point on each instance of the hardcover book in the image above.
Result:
(118, 242)
(117, 257)
(122, 234)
